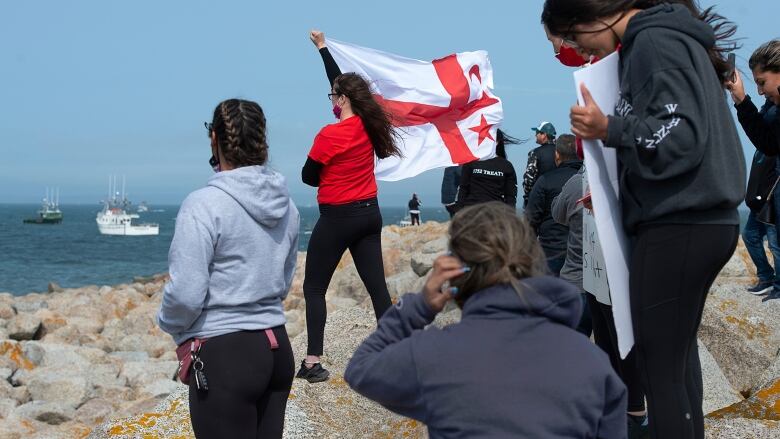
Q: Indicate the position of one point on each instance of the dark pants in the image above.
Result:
(753, 235)
(357, 227)
(671, 270)
(585, 326)
(605, 335)
(248, 386)
(555, 261)
(415, 218)
(450, 209)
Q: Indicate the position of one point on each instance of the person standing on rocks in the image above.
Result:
(449, 188)
(231, 263)
(682, 176)
(414, 209)
(341, 166)
(553, 236)
(541, 159)
(493, 179)
(505, 370)
(763, 129)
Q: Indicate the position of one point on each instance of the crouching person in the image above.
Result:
(231, 263)
(514, 366)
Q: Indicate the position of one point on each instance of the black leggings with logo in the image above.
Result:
(355, 226)
(248, 386)
(671, 271)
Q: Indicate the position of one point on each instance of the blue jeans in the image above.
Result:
(753, 236)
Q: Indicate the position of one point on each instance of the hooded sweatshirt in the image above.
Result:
(680, 157)
(232, 257)
(506, 370)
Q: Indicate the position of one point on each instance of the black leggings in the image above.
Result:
(248, 386)
(672, 268)
(358, 227)
(605, 335)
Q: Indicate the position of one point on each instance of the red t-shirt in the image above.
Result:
(348, 158)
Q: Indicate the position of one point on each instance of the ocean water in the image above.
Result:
(73, 253)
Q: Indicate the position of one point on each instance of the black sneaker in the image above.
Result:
(315, 374)
(638, 427)
(775, 294)
(760, 288)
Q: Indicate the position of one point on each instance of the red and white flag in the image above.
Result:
(445, 110)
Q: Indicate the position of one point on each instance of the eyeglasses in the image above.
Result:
(570, 43)
(209, 128)
(330, 95)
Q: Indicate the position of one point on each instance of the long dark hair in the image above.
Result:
(767, 57)
(503, 139)
(560, 16)
(376, 121)
(241, 135)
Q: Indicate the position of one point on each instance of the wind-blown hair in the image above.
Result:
(376, 120)
(498, 245)
(560, 16)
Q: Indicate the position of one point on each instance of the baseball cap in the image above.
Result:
(546, 128)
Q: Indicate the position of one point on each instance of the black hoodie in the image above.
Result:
(680, 157)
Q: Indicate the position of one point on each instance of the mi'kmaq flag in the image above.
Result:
(445, 110)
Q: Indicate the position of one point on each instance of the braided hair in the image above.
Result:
(498, 245)
(240, 129)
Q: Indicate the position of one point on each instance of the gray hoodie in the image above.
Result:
(567, 211)
(232, 257)
(680, 157)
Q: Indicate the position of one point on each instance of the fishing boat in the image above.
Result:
(50, 212)
(114, 219)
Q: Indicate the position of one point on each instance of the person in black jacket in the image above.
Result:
(414, 209)
(553, 237)
(489, 180)
(682, 177)
(449, 188)
(762, 128)
(541, 159)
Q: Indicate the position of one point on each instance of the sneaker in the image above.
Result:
(314, 374)
(760, 288)
(638, 427)
(775, 294)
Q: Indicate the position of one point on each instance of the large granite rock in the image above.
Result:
(718, 392)
(102, 360)
(742, 333)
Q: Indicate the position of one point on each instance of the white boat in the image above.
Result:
(114, 219)
(142, 207)
(406, 222)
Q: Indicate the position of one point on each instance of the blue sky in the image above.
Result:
(92, 88)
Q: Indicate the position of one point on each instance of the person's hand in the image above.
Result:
(737, 88)
(444, 268)
(318, 38)
(587, 121)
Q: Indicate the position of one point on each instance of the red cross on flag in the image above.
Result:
(445, 110)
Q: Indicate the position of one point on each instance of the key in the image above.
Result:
(200, 377)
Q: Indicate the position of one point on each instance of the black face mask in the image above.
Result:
(214, 162)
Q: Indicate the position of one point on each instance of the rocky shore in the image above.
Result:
(90, 362)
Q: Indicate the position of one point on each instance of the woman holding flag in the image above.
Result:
(341, 165)
(682, 177)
